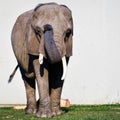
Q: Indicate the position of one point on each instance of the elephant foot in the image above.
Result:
(57, 111)
(44, 113)
(30, 110)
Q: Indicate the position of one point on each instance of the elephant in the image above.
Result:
(42, 41)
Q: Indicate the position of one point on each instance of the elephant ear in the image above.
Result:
(33, 43)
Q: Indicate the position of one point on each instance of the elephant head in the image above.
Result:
(50, 32)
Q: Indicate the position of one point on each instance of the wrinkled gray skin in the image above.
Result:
(47, 29)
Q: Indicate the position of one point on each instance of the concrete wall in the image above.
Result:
(93, 76)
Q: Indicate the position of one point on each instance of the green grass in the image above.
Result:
(75, 112)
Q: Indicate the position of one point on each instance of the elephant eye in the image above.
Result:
(68, 32)
(37, 31)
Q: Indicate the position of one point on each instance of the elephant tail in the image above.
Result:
(13, 73)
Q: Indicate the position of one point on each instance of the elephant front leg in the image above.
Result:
(55, 101)
(44, 109)
(56, 87)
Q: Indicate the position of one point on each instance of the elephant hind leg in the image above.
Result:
(31, 96)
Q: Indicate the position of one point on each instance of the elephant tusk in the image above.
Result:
(64, 68)
(41, 59)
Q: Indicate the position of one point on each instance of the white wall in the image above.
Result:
(94, 71)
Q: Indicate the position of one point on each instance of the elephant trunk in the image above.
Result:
(51, 49)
